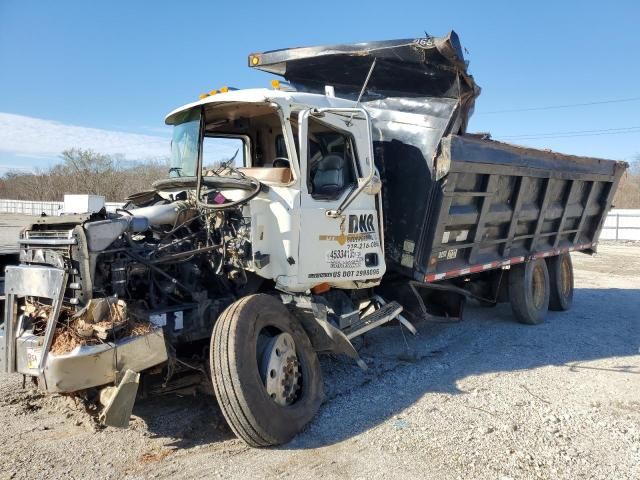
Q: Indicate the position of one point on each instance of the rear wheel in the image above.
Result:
(266, 375)
(560, 282)
(529, 291)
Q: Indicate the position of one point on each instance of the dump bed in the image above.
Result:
(490, 204)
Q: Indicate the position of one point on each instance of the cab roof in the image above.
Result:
(258, 95)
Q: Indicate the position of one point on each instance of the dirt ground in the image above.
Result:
(484, 398)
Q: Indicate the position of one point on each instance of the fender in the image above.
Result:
(324, 337)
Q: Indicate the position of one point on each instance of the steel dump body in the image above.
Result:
(488, 204)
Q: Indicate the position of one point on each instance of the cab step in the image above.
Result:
(381, 316)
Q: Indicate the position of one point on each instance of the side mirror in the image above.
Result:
(373, 187)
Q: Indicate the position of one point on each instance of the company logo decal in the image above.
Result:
(360, 228)
(361, 223)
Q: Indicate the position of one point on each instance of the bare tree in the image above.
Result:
(628, 194)
(84, 171)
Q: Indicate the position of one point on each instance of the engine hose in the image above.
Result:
(158, 270)
(174, 243)
(180, 255)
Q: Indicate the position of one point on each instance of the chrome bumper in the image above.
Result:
(83, 367)
(35, 281)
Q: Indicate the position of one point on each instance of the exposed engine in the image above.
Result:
(184, 264)
(182, 251)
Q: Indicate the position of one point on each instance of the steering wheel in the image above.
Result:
(247, 184)
(281, 162)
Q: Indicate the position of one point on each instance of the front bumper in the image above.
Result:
(83, 367)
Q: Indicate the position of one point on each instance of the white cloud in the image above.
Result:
(35, 137)
(11, 168)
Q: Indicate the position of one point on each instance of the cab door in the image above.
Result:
(340, 227)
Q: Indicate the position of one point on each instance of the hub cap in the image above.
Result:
(280, 369)
(565, 277)
(538, 287)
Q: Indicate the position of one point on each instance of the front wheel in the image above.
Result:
(265, 373)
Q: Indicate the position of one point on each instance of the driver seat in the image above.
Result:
(329, 178)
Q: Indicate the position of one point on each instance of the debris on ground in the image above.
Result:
(101, 320)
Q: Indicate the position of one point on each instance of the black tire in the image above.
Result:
(250, 412)
(560, 282)
(529, 291)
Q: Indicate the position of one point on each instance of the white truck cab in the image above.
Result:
(318, 221)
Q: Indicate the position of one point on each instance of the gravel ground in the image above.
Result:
(485, 398)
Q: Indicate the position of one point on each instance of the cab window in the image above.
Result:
(219, 151)
(331, 161)
(255, 131)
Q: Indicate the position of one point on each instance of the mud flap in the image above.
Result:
(119, 406)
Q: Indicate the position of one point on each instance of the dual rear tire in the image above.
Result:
(539, 285)
(560, 282)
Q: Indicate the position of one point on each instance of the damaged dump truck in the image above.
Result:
(351, 196)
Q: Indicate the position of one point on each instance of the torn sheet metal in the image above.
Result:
(422, 67)
(82, 367)
(89, 365)
(418, 122)
(36, 281)
(118, 409)
(94, 365)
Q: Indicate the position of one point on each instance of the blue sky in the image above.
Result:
(104, 74)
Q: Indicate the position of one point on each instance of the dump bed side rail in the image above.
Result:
(502, 204)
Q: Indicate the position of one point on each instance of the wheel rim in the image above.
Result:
(538, 286)
(565, 277)
(279, 367)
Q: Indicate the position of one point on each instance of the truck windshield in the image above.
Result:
(184, 145)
